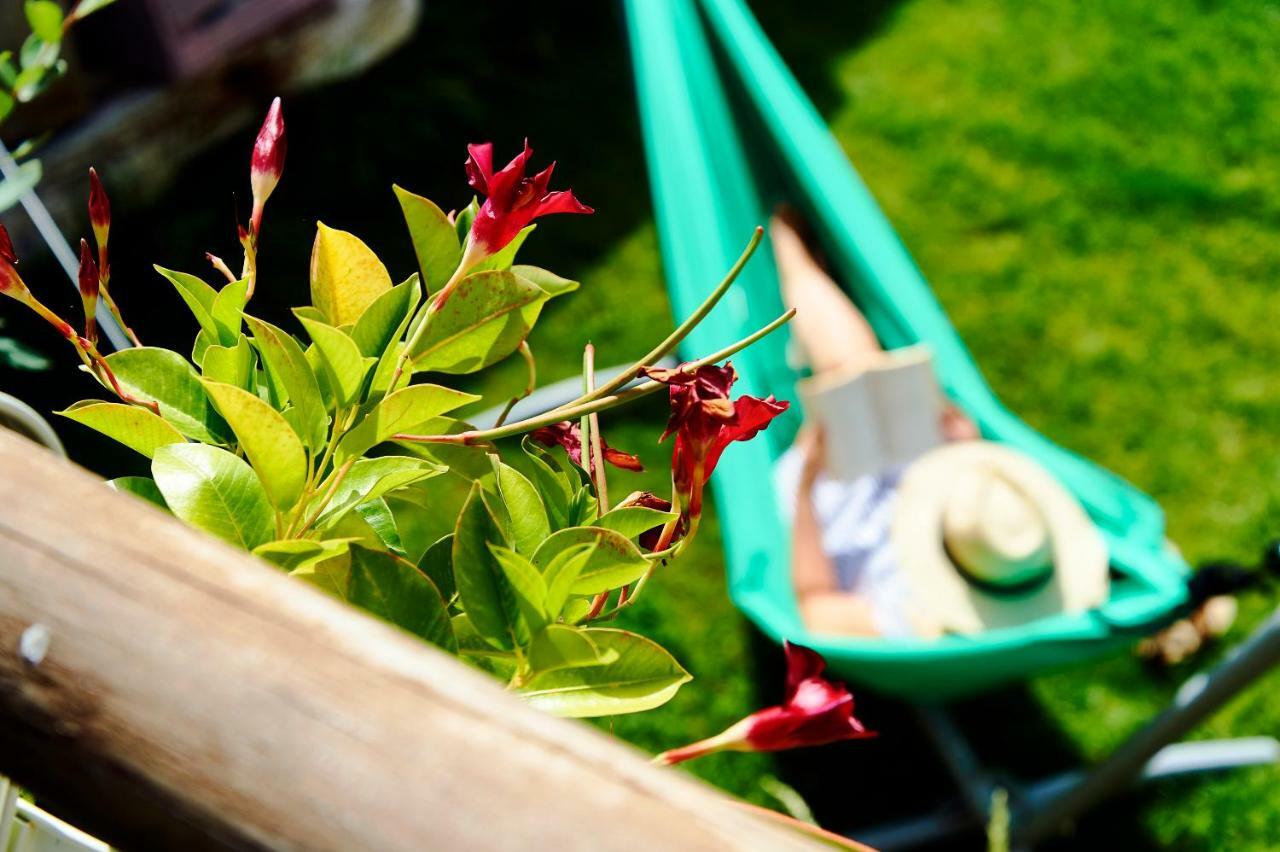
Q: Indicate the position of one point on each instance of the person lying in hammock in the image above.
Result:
(905, 523)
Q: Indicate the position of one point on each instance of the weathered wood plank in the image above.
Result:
(192, 697)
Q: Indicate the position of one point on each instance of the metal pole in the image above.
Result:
(1198, 699)
(61, 249)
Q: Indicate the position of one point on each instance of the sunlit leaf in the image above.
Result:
(526, 583)
(346, 276)
(559, 646)
(285, 361)
(399, 593)
(384, 321)
(216, 491)
(485, 318)
(273, 448)
(165, 377)
(371, 479)
(615, 561)
(641, 677)
(344, 366)
(137, 428)
(435, 242)
(402, 411)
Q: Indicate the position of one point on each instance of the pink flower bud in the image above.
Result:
(268, 162)
(99, 209)
(89, 291)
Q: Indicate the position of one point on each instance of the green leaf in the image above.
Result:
(377, 514)
(643, 676)
(403, 411)
(560, 646)
(435, 242)
(555, 486)
(12, 189)
(561, 573)
(45, 18)
(528, 525)
(136, 428)
(384, 320)
(159, 375)
(346, 276)
(527, 584)
(198, 349)
(463, 221)
(344, 366)
(371, 479)
(216, 491)
(615, 562)
(550, 283)
(285, 361)
(199, 297)
(139, 486)
(504, 257)
(273, 448)
(631, 521)
(471, 643)
(228, 311)
(482, 322)
(482, 586)
(231, 365)
(293, 554)
(6, 106)
(399, 593)
(332, 574)
(437, 564)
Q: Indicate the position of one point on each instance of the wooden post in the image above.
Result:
(191, 697)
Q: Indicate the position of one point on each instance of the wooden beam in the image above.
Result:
(192, 697)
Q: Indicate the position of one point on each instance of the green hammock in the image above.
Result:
(729, 133)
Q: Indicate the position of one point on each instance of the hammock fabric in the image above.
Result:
(728, 133)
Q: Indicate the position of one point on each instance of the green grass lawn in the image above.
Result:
(1089, 187)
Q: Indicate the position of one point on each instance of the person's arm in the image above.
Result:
(823, 606)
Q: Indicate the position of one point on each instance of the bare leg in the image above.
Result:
(833, 334)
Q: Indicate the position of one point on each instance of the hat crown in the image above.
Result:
(994, 531)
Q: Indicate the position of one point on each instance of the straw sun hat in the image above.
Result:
(987, 538)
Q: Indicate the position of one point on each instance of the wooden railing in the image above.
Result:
(162, 690)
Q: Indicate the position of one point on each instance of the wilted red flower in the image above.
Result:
(705, 422)
(513, 200)
(814, 711)
(89, 292)
(651, 538)
(267, 164)
(569, 436)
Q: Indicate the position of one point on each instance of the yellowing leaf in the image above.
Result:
(273, 448)
(346, 276)
(137, 428)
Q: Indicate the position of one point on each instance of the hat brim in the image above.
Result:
(940, 595)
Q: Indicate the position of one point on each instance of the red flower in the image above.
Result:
(569, 436)
(267, 164)
(89, 291)
(705, 422)
(513, 200)
(99, 216)
(814, 712)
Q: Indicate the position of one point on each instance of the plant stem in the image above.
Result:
(596, 443)
(527, 354)
(575, 410)
(683, 330)
(469, 259)
(115, 312)
(338, 476)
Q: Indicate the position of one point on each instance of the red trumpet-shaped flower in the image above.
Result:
(267, 164)
(569, 436)
(512, 200)
(705, 422)
(99, 218)
(89, 292)
(814, 711)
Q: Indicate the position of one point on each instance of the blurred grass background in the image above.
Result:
(1089, 187)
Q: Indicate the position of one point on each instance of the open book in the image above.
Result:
(885, 413)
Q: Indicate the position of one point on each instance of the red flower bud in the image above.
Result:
(569, 436)
(267, 164)
(705, 422)
(513, 200)
(99, 210)
(10, 282)
(89, 291)
(814, 711)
